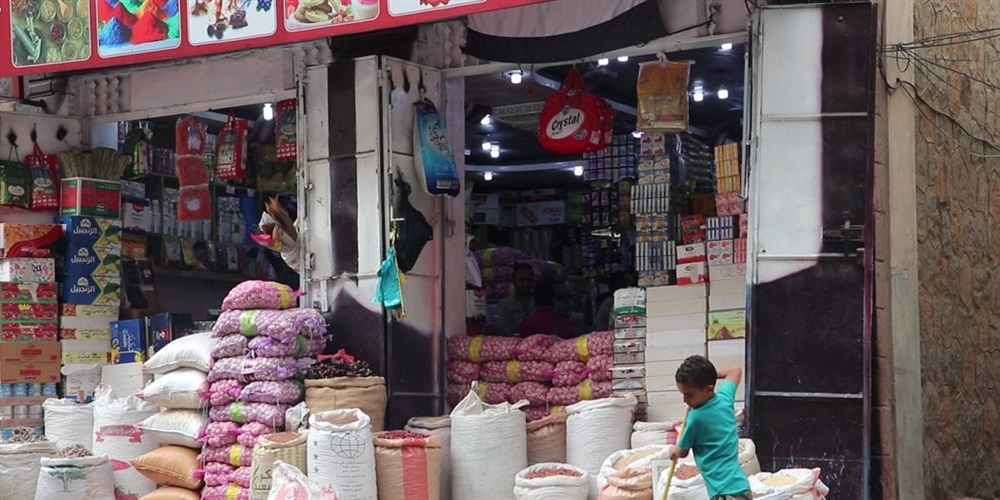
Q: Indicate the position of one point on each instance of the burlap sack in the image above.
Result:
(547, 440)
(629, 484)
(343, 393)
(407, 467)
(289, 447)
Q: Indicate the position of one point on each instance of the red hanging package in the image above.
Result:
(285, 141)
(574, 121)
(44, 180)
(195, 195)
(230, 159)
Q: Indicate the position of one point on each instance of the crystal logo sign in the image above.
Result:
(566, 124)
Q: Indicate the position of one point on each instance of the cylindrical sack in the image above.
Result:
(408, 465)
(440, 427)
(629, 484)
(341, 454)
(547, 439)
(288, 447)
(343, 393)
(748, 457)
(19, 466)
(596, 429)
(647, 433)
(75, 479)
(68, 422)
(489, 446)
(552, 481)
(630, 459)
(118, 436)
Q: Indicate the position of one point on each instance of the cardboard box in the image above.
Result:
(688, 254)
(128, 341)
(136, 216)
(727, 353)
(725, 325)
(99, 232)
(86, 352)
(132, 189)
(691, 274)
(22, 331)
(25, 270)
(85, 327)
(679, 353)
(29, 372)
(676, 339)
(93, 261)
(696, 321)
(676, 308)
(29, 240)
(28, 312)
(89, 311)
(733, 272)
(81, 380)
(631, 332)
(720, 252)
(88, 290)
(675, 293)
(33, 352)
(722, 302)
(728, 287)
(91, 197)
(29, 293)
(164, 327)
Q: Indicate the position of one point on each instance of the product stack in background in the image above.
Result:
(629, 371)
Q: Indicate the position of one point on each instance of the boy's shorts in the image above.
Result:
(742, 496)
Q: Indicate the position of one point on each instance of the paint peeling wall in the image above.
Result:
(958, 213)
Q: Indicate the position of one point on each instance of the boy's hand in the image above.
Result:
(676, 452)
(732, 374)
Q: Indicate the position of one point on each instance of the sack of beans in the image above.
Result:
(631, 459)
(569, 373)
(462, 372)
(242, 413)
(408, 465)
(547, 439)
(288, 447)
(629, 484)
(516, 371)
(230, 346)
(281, 325)
(599, 368)
(251, 432)
(551, 481)
(595, 430)
(798, 484)
(247, 370)
(582, 348)
(584, 391)
(282, 392)
(440, 427)
(687, 483)
(236, 455)
(296, 347)
(231, 491)
(254, 294)
(342, 393)
(532, 348)
(220, 434)
(535, 393)
(647, 433)
(225, 391)
(481, 348)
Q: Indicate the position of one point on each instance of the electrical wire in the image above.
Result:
(911, 90)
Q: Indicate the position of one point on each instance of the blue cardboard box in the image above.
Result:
(89, 261)
(128, 341)
(165, 327)
(99, 232)
(92, 290)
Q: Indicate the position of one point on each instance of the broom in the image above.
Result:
(673, 463)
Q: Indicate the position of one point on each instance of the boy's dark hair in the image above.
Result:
(697, 371)
(545, 294)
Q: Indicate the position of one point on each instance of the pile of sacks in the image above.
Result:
(263, 345)
(543, 370)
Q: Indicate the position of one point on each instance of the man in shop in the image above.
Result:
(546, 318)
(512, 310)
(603, 320)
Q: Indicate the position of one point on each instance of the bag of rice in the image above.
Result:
(68, 422)
(176, 427)
(408, 465)
(118, 436)
(183, 388)
(190, 351)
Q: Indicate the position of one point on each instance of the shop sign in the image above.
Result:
(541, 213)
(47, 36)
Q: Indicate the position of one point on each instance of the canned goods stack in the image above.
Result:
(21, 406)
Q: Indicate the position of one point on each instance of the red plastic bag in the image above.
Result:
(195, 203)
(285, 133)
(574, 121)
(231, 152)
(190, 144)
(44, 180)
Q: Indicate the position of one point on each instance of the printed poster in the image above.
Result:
(211, 21)
(412, 7)
(127, 27)
(49, 31)
(303, 15)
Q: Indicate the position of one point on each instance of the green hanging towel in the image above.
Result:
(389, 290)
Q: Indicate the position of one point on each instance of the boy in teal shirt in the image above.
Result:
(710, 429)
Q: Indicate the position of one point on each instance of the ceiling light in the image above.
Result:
(723, 93)
(486, 121)
(487, 145)
(638, 134)
(603, 62)
(622, 58)
(516, 76)
(488, 176)
(699, 95)
(268, 112)
(495, 151)
(726, 47)
(578, 170)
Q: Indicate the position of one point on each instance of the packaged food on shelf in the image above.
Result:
(91, 197)
(27, 270)
(29, 240)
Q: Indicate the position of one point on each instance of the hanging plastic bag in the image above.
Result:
(15, 182)
(44, 179)
(286, 144)
(389, 291)
(662, 95)
(414, 230)
(574, 121)
(190, 145)
(432, 151)
(232, 150)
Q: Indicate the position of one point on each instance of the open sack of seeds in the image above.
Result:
(552, 481)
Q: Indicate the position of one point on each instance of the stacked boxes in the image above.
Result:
(727, 169)
(675, 324)
(28, 300)
(726, 330)
(628, 371)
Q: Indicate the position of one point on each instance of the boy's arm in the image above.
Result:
(688, 437)
(732, 374)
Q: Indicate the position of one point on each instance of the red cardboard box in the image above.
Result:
(20, 331)
(30, 352)
(29, 240)
(35, 373)
(25, 293)
(92, 197)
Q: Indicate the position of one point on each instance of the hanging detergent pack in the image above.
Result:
(574, 121)
(432, 151)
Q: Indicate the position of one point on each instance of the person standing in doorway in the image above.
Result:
(546, 318)
(512, 310)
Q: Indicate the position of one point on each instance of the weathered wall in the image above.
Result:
(958, 211)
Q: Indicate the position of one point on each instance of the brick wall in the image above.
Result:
(958, 212)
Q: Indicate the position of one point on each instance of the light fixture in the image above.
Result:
(603, 62)
(622, 58)
(723, 93)
(638, 134)
(487, 176)
(487, 145)
(268, 111)
(495, 151)
(578, 170)
(726, 47)
(486, 121)
(699, 95)
(516, 76)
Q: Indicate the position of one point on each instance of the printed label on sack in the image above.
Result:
(475, 346)
(565, 124)
(581, 348)
(131, 432)
(248, 325)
